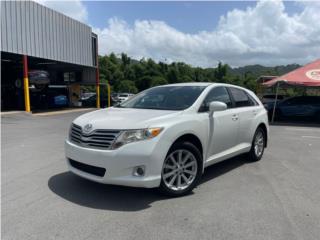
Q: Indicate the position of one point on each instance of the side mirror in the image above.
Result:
(216, 106)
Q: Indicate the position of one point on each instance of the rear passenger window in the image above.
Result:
(253, 101)
(216, 94)
(241, 98)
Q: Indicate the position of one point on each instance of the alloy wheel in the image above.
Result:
(259, 144)
(179, 170)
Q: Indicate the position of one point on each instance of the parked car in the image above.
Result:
(51, 96)
(91, 101)
(87, 95)
(165, 136)
(60, 101)
(123, 97)
(296, 107)
(39, 78)
(114, 97)
(267, 98)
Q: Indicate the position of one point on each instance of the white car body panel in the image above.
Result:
(117, 118)
(222, 136)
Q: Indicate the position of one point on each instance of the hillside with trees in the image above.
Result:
(128, 75)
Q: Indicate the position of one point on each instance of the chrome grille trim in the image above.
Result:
(99, 138)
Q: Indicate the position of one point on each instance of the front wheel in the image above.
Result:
(258, 144)
(181, 169)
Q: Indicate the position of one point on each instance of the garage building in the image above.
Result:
(44, 55)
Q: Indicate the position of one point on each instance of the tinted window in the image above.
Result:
(302, 100)
(294, 101)
(252, 100)
(165, 98)
(241, 98)
(217, 94)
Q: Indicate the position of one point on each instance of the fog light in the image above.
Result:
(139, 171)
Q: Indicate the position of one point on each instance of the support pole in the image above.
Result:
(109, 95)
(275, 103)
(26, 84)
(97, 76)
(98, 88)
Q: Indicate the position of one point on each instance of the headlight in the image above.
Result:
(129, 136)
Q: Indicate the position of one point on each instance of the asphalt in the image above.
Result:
(276, 198)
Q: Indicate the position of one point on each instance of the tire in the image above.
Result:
(258, 145)
(182, 169)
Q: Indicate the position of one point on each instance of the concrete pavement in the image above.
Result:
(276, 198)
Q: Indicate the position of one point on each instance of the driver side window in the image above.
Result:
(216, 94)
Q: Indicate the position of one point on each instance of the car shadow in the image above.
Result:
(223, 167)
(117, 198)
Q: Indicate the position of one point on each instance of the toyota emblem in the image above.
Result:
(87, 128)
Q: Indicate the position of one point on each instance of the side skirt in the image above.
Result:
(232, 152)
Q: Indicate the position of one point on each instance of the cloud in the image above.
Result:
(74, 8)
(264, 34)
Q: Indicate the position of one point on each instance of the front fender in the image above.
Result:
(195, 127)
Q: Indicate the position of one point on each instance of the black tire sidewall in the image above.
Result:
(252, 155)
(183, 146)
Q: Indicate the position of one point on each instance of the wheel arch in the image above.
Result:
(192, 138)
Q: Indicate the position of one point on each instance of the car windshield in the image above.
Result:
(124, 95)
(165, 98)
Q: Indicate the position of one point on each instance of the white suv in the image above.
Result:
(165, 136)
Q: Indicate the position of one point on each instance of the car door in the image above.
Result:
(297, 107)
(247, 109)
(223, 126)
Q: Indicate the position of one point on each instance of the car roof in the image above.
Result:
(204, 84)
(300, 97)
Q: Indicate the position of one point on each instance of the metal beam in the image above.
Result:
(97, 76)
(26, 84)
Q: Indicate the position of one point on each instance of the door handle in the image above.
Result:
(235, 117)
(255, 112)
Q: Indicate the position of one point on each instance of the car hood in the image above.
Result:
(125, 118)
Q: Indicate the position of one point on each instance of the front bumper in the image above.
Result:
(120, 163)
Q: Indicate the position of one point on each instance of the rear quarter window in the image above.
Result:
(242, 98)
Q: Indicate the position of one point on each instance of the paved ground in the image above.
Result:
(277, 198)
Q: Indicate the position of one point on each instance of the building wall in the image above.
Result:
(32, 29)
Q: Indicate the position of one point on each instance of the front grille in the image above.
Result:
(98, 171)
(99, 138)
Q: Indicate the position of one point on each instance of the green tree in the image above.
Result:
(157, 81)
(144, 82)
(129, 75)
(173, 75)
(220, 72)
(127, 86)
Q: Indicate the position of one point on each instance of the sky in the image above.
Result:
(201, 34)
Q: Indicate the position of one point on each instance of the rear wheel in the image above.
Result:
(258, 144)
(181, 169)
